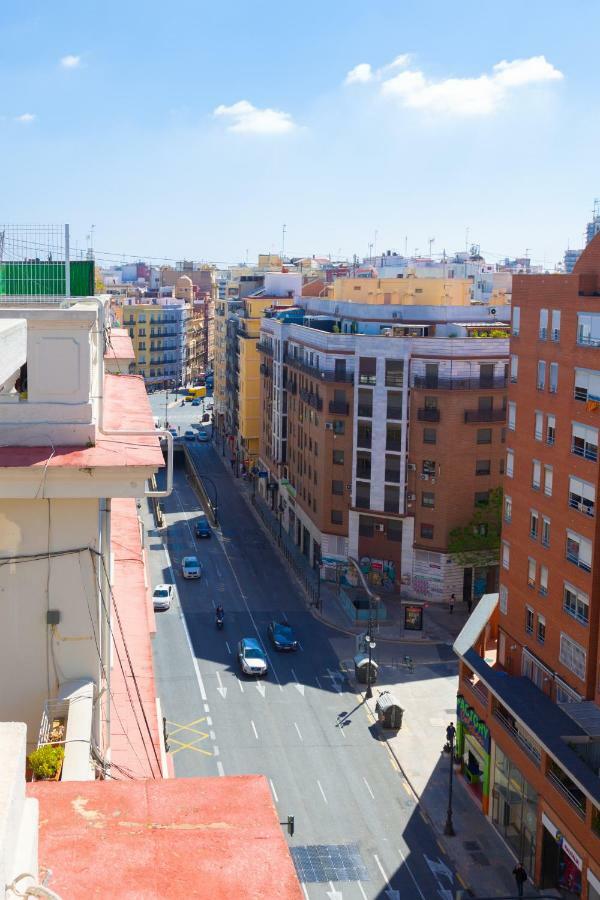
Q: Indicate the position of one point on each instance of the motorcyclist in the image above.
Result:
(220, 612)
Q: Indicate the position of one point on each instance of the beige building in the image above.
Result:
(403, 291)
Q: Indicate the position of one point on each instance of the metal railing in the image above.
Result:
(428, 415)
(336, 406)
(485, 415)
(264, 348)
(530, 747)
(587, 452)
(577, 803)
(316, 371)
(452, 383)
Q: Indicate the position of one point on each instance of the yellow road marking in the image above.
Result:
(462, 881)
(190, 743)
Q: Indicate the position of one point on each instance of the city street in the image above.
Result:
(358, 830)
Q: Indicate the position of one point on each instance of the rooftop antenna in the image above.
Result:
(375, 241)
(405, 245)
(2, 233)
(283, 230)
(431, 243)
(90, 240)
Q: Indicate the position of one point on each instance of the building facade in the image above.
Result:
(158, 332)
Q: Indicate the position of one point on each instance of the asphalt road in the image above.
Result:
(303, 726)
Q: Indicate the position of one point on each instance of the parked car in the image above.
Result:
(162, 596)
(252, 658)
(196, 402)
(190, 567)
(203, 436)
(202, 528)
(281, 636)
(190, 435)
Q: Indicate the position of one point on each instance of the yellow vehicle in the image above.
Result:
(193, 393)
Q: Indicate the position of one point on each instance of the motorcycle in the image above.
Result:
(220, 621)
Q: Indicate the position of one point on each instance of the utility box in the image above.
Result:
(361, 669)
(389, 712)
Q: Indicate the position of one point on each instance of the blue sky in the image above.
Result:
(188, 129)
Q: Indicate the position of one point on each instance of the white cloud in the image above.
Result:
(25, 118)
(477, 96)
(244, 118)
(70, 61)
(359, 74)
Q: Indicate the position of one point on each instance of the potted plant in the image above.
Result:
(46, 762)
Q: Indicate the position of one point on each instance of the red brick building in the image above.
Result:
(528, 714)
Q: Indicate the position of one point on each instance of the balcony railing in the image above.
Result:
(530, 747)
(312, 399)
(578, 803)
(316, 371)
(428, 415)
(485, 415)
(585, 340)
(587, 508)
(576, 559)
(264, 348)
(452, 383)
(587, 452)
(336, 406)
(479, 689)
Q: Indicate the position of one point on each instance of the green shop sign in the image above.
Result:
(473, 723)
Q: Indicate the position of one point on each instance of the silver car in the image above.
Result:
(190, 567)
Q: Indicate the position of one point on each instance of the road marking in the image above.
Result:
(209, 721)
(185, 516)
(222, 690)
(409, 870)
(187, 634)
(368, 786)
(305, 892)
(406, 788)
(392, 894)
(254, 729)
(297, 683)
(318, 682)
(228, 647)
(334, 680)
(240, 684)
(274, 791)
(206, 707)
(190, 743)
(213, 736)
(220, 768)
(322, 792)
(298, 730)
(216, 750)
(260, 688)
(362, 890)
(462, 881)
(334, 894)
(300, 647)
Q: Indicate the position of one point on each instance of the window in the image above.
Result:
(543, 580)
(484, 435)
(482, 498)
(531, 572)
(393, 437)
(428, 499)
(394, 372)
(338, 457)
(576, 603)
(579, 551)
(501, 466)
(572, 655)
(587, 385)
(538, 431)
(545, 531)
(363, 464)
(363, 434)
(503, 599)
(510, 463)
(541, 375)
(485, 404)
(588, 329)
(394, 404)
(427, 531)
(507, 508)
(365, 403)
(516, 320)
(483, 467)
(582, 495)
(337, 517)
(512, 415)
(550, 430)
(366, 526)
(548, 477)
(431, 375)
(391, 498)
(337, 487)
(363, 494)
(536, 475)
(428, 467)
(514, 369)
(429, 436)
(394, 530)
(431, 402)
(541, 629)
(584, 441)
(367, 372)
(553, 386)
(534, 523)
(529, 620)
(555, 330)
(543, 332)
(392, 468)
(505, 555)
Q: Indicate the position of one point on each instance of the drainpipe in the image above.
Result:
(105, 617)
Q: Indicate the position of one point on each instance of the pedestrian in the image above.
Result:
(520, 877)
(452, 602)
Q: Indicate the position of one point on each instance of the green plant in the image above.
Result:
(478, 542)
(46, 760)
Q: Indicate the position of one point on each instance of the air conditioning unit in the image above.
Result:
(433, 480)
(412, 467)
(424, 477)
(329, 426)
(379, 526)
(411, 496)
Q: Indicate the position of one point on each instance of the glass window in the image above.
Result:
(394, 530)
(484, 435)
(507, 508)
(579, 551)
(543, 324)
(545, 531)
(394, 405)
(534, 523)
(363, 434)
(553, 385)
(428, 499)
(367, 372)
(576, 603)
(582, 495)
(366, 526)
(588, 329)
(365, 402)
(426, 531)
(538, 432)
(430, 402)
(363, 494)
(392, 467)
(503, 599)
(483, 467)
(529, 619)
(555, 332)
(394, 372)
(548, 477)
(541, 375)
(393, 437)
(391, 499)
(505, 555)
(572, 655)
(543, 579)
(514, 368)
(337, 487)
(428, 467)
(531, 572)
(536, 476)
(363, 464)
(510, 463)
(587, 385)
(481, 498)
(337, 517)
(550, 430)
(429, 436)
(541, 628)
(512, 415)
(584, 441)
(338, 457)
(516, 320)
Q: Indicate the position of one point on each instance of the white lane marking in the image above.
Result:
(389, 892)
(318, 682)
(415, 882)
(254, 729)
(187, 635)
(322, 792)
(240, 684)
(362, 890)
(334, 680)
(300, 647)
(209, 721)
(334, 894)
(213, 736)
(297, 683)
(220, 768)
(274, 791)
(206, 707)
(298, 730)
(228, 647)
(260, 688)
(222, 690)
(185, 516)
(368, 787)
(216, 750)
(305, 892)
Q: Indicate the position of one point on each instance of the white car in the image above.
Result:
(252, 658)
(162, 596)
(190, 567)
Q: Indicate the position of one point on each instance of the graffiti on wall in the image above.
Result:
(378, 572)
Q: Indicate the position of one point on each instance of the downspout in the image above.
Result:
(105, 616)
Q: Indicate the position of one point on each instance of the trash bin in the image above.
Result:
(361, 668)
(389, 712)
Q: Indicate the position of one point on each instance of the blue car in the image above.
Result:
(281, 636)
(202, 528)
(196, 402)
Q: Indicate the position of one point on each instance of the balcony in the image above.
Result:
(529, 745)
(428, 415)
(264, 348)
(312, 399)
(576, 560)
(336, 406)
(567, 789)
(451, 383)
(317, 371)
(485, 415)
(583, 506)
(587, 451)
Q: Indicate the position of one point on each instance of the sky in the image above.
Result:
(197, 130)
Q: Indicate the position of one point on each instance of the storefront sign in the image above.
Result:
(473, 723)
(561, 839)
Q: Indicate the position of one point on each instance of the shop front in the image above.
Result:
(562, 866)
(514, 808)
(473, 749)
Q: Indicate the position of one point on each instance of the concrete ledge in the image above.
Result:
(77, 765)
(18, 816)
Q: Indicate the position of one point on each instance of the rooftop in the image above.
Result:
(119, 345)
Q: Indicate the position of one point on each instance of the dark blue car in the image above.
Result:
(281, 636)
(202, 528)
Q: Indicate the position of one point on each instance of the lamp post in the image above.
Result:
(450, 735)
(371, 645)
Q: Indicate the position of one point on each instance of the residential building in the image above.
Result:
(158, 331)
(410, 291)
(593, 227)
(529, 687)
(570, 258)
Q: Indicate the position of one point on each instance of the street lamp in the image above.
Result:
(450, 735)
(371, 645)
